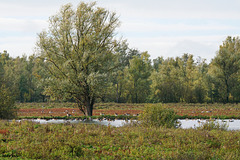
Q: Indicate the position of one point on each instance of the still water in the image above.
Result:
(233, 124)
(115, 123)
(185, 124)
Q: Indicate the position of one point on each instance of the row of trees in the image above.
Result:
(80, 60)
(22, 76)
(134, 78)
(181, 79)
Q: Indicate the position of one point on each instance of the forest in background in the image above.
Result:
(135, 78)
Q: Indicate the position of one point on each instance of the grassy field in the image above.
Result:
(29, 140)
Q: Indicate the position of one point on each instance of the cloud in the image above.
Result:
(17, 46)
(203, 46)
(156, 27)
(21, 25)
(219, 9)
(196, 48)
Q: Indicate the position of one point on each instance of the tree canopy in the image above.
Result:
(78, 51)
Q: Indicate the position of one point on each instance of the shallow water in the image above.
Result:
(185, 123)
(233, 124)
(115, 123)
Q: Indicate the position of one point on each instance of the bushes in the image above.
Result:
(156, 115)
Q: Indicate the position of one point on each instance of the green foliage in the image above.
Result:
(156, 115)
(22, 74)
(94, 67)
(165, 82)
(224, 70)
(7, 107)
(179, 80)
(119, 92)
(137, 74)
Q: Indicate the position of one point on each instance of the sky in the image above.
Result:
(167, 28)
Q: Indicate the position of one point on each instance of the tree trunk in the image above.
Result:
(89, 110)
(89, 106)
(136, 100)
(43, 98)
(136, 94)
(228, 90)
(117, 98)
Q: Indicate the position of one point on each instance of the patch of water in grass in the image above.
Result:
(185, 123)
(233, 124)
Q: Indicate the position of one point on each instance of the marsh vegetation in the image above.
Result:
(83, 141)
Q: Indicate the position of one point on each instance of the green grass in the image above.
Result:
(28, 140)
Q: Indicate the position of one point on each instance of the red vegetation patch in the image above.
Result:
(72, 111)
(121, 109)
(4, 131)
(207, 112)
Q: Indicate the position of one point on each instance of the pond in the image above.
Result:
(115, 123)
(233, 124)
(185, 123)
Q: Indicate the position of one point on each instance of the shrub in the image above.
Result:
(156, 115)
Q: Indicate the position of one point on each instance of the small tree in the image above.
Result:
(139, 72)
(77, 50)
(7, 107)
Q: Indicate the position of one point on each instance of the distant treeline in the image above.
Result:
(134, 78)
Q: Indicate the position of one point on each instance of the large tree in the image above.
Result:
(77, 50)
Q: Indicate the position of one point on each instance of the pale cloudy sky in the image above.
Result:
(165, 28)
